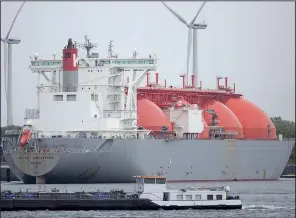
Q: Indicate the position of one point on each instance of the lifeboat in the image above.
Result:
(26, 135)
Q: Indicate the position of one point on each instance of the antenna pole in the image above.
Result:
(135, 54)
(110, 51)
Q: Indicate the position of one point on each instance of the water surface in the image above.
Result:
(260, 199)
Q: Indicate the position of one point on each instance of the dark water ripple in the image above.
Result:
(260, 199)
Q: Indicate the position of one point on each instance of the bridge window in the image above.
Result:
(58, 97)
(189, 197)
(218, 197)
(71, 97)
(160, 181)
(133, 62)
(179, 197)
(149, 181)
(197, 197)
(210, 197)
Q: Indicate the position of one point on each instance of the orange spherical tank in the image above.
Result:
(227, 118)
(205, 133)
(254, 121)
(151, 117)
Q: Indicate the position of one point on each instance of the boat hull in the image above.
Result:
(113, 204)
(118, 160)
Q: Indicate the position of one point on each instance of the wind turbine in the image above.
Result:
(8, 42)
(191, 26)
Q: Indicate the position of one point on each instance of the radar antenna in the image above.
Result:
(87, 46)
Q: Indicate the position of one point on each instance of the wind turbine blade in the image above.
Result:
(188, 52)
(199, 10)
(177, 15)
(14, 20)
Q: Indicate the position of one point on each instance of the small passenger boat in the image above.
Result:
(154, 188)
(151, 193)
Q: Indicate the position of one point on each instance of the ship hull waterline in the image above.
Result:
(118, 160)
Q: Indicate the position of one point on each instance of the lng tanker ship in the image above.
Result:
(95, 122)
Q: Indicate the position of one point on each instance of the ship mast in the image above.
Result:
(135, 53)
(110, 50)
(110, 46)
(87, 46)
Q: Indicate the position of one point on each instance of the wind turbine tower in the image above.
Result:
(10, 42)
(195, 52)
(8, 68)
(191, 27)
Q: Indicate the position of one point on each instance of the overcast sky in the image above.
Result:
(253, 43)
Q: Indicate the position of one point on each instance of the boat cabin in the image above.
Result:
(150, 183)
(197, 194)
(154, 188)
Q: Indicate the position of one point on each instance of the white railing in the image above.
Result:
(56, 88)
(12, 132)
(72, 88)
(124, 114)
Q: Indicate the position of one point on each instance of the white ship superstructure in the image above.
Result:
(74, 101)
(85, 129)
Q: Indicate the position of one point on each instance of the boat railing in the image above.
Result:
(184, 89)
(125, 114)
(73, 88)
(206, 189)
(12, 132)
(103, 134)
(115, 194)
(288, 139)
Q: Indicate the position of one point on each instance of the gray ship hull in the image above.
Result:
(118, 160)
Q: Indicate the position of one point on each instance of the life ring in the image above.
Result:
(125, 90)
(26, 135)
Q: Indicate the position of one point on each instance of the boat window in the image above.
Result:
(189, 197)
(92, 97)
(218, 197)
(179, 197)
(71, 97)
(58, 97)
(197, 197)
(160, 181)
(166, 196)
(210, 197)
(149, 181)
